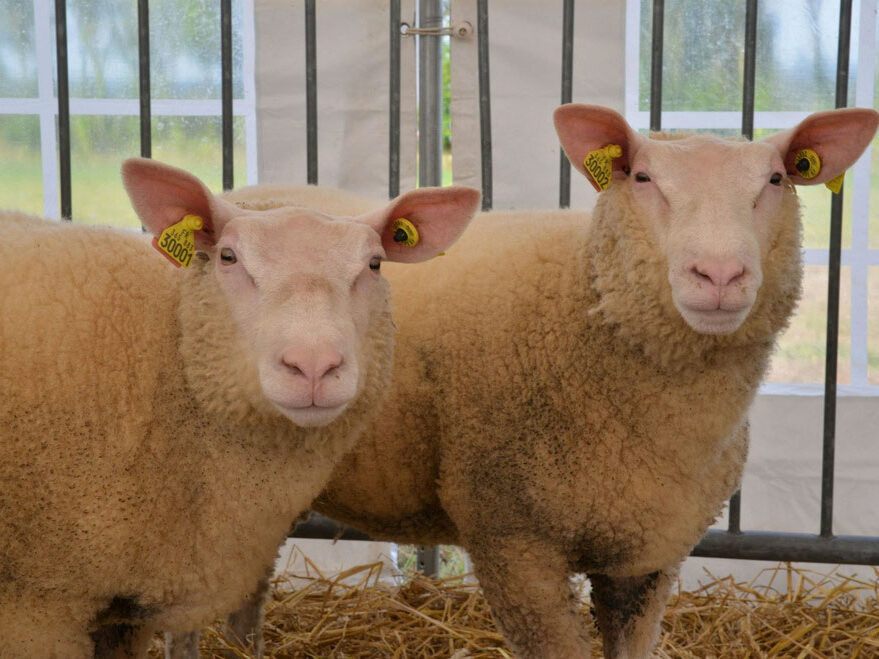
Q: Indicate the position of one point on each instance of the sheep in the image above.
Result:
(160, 427)
(571, 390)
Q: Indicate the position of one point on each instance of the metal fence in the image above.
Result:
(732, 543)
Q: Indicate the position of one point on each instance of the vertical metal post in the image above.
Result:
(311, 91)
(656, 66)
(63, 108)
(430, 95)
(143, 50)
(484, 101)
(394, 102)
(749, 69)
(430, 149)
(226, 75)
(735, 503)
(567, 84)
(829, 444)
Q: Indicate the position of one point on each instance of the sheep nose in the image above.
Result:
(313, 365)
(720, 273)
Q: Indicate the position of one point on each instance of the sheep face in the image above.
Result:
(304, 290)
(714, 242)
(713, 208)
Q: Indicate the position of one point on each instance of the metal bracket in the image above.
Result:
(460, 30)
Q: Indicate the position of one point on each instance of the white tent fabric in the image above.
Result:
(352, 97)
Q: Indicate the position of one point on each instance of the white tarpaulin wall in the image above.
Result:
(352, 98)
(782, 478)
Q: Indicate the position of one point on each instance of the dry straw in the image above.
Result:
(795, 613)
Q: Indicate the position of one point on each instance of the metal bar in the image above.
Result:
(567, 84)
(656, 66)
(830, 368)
(430, 149)
(311, 91)
(319, 527)
(226, 75)
(484, 101)
(749, 69)
(735, 513)
(394, 102)
(63, 109)
(760, 546)
(735, 502)
(749, 545)
(143, 50)
(430, 97)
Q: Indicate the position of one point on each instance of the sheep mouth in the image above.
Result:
(715, 321)
(310, 416)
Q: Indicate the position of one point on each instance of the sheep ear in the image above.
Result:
(161, 195)
(836, 137)
(584, 130)
(420, 224)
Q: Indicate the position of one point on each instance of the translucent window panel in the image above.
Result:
(702, 45)
(800, 354)
(873, 325)
(21, 174)
(195, 144)
(18, 52)
(99, 144)
(815, 203)
(703, 54)
(185, 48)
(797, 52)
(102, 48)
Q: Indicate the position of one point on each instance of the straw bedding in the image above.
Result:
(798, 613)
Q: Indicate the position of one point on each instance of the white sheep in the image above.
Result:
(161, 427)
(571, 393)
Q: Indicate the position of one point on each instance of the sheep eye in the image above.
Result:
(227, 256)
(375, 263)
(641, 177)
(775, 179)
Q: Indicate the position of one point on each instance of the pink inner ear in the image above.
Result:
(586, 128)
(837, 136)
(161, 195)
(439, 215)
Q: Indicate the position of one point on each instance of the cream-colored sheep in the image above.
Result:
(571, 391)
(161, 427)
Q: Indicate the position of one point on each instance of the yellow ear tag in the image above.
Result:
(835, 184)
(808, 163)
(600, 166)
(405, 232)
(177, 242)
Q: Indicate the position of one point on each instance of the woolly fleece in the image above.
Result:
(144, 485)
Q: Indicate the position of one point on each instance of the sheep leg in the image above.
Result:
(526, 583)
(182, 646)
(122, 641)
(628, 611)
(244, 626)
(243, 629)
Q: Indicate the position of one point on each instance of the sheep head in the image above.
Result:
(713, 208)
(304, 289)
